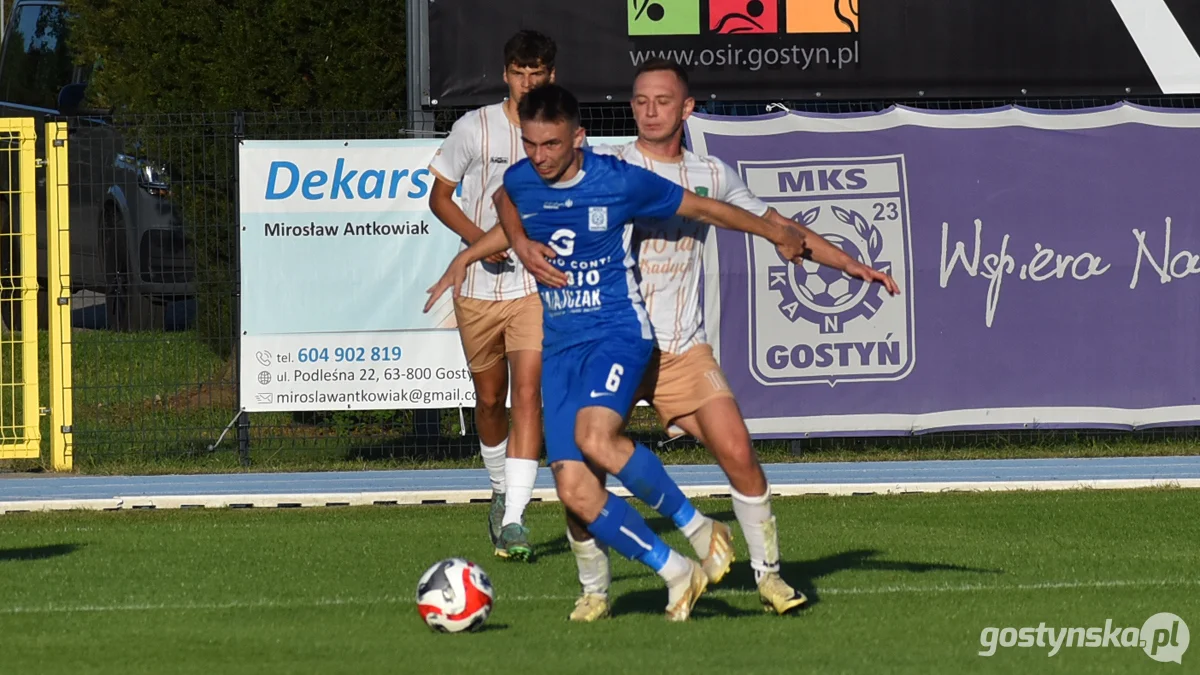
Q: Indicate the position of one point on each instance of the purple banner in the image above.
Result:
(1046, 263)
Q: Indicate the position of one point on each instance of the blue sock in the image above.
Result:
(622, 528)
(645, 476)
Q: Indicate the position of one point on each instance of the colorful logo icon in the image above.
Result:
(740, 17)
(664, 17)
(822, 16)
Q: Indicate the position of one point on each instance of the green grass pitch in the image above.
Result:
(900, 584)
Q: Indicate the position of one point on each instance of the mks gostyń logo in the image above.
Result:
(812, 323)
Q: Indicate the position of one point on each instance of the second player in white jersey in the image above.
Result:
(687, 389)
(670, 253)
(498, 314)
(482, 144)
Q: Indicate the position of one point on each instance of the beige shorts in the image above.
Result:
(680, 384)
(491, 328)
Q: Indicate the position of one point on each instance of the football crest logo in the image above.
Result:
(815, 324)
(827, 297)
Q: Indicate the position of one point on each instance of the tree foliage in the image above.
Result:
(172, 74)
(250, 55)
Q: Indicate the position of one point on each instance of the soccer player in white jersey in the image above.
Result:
(499, 314)
(689, 391)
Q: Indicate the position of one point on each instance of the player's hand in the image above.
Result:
(791, 245)
(453, 278)
(871, 275)
(497, 257)
(535, 256)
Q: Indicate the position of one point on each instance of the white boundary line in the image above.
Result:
(417, 497)
(395, 599)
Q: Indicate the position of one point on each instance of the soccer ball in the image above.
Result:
(455, 595)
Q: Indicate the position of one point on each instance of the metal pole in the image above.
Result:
(417, 44)
(426, 421)
(243, 420)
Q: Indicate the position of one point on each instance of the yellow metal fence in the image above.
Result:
(20, 430)
(58, 281)
(22, 365)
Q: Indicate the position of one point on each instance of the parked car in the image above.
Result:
(127, 238)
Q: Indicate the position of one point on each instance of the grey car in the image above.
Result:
(127, 238)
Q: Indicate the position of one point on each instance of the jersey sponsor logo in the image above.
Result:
(499, 160)
(812, 323)
(563, 242)
(554, 206)
(582, 292)
(572, 300)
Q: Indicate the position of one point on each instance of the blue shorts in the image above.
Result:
(603, 373)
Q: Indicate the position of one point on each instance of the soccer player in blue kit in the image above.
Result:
(598, 340)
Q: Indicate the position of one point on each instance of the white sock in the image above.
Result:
(758, 526)
(699, 532)
(677, 567)
(693, 526)
(519, 474)
(493, 459)
(591, 557)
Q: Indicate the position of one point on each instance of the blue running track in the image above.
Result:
(21, 493)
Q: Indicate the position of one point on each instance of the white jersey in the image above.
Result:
(670, 252)
(481, 146)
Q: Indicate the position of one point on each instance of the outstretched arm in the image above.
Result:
(492, 242)
(819, 250)
(788, 239)
(816, 248)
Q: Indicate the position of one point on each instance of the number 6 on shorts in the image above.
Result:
(614, 378)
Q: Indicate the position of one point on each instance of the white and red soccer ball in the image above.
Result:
(455, 595)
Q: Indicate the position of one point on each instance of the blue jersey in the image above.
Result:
(587, 221)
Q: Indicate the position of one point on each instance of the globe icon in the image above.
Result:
(264, 377)
(827, 289)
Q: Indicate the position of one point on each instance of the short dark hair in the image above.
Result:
(549, 103)
(529, 49)
(657, 64)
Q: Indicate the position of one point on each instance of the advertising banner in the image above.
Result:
(1047, 263)
(338, 247)
(780, 50)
